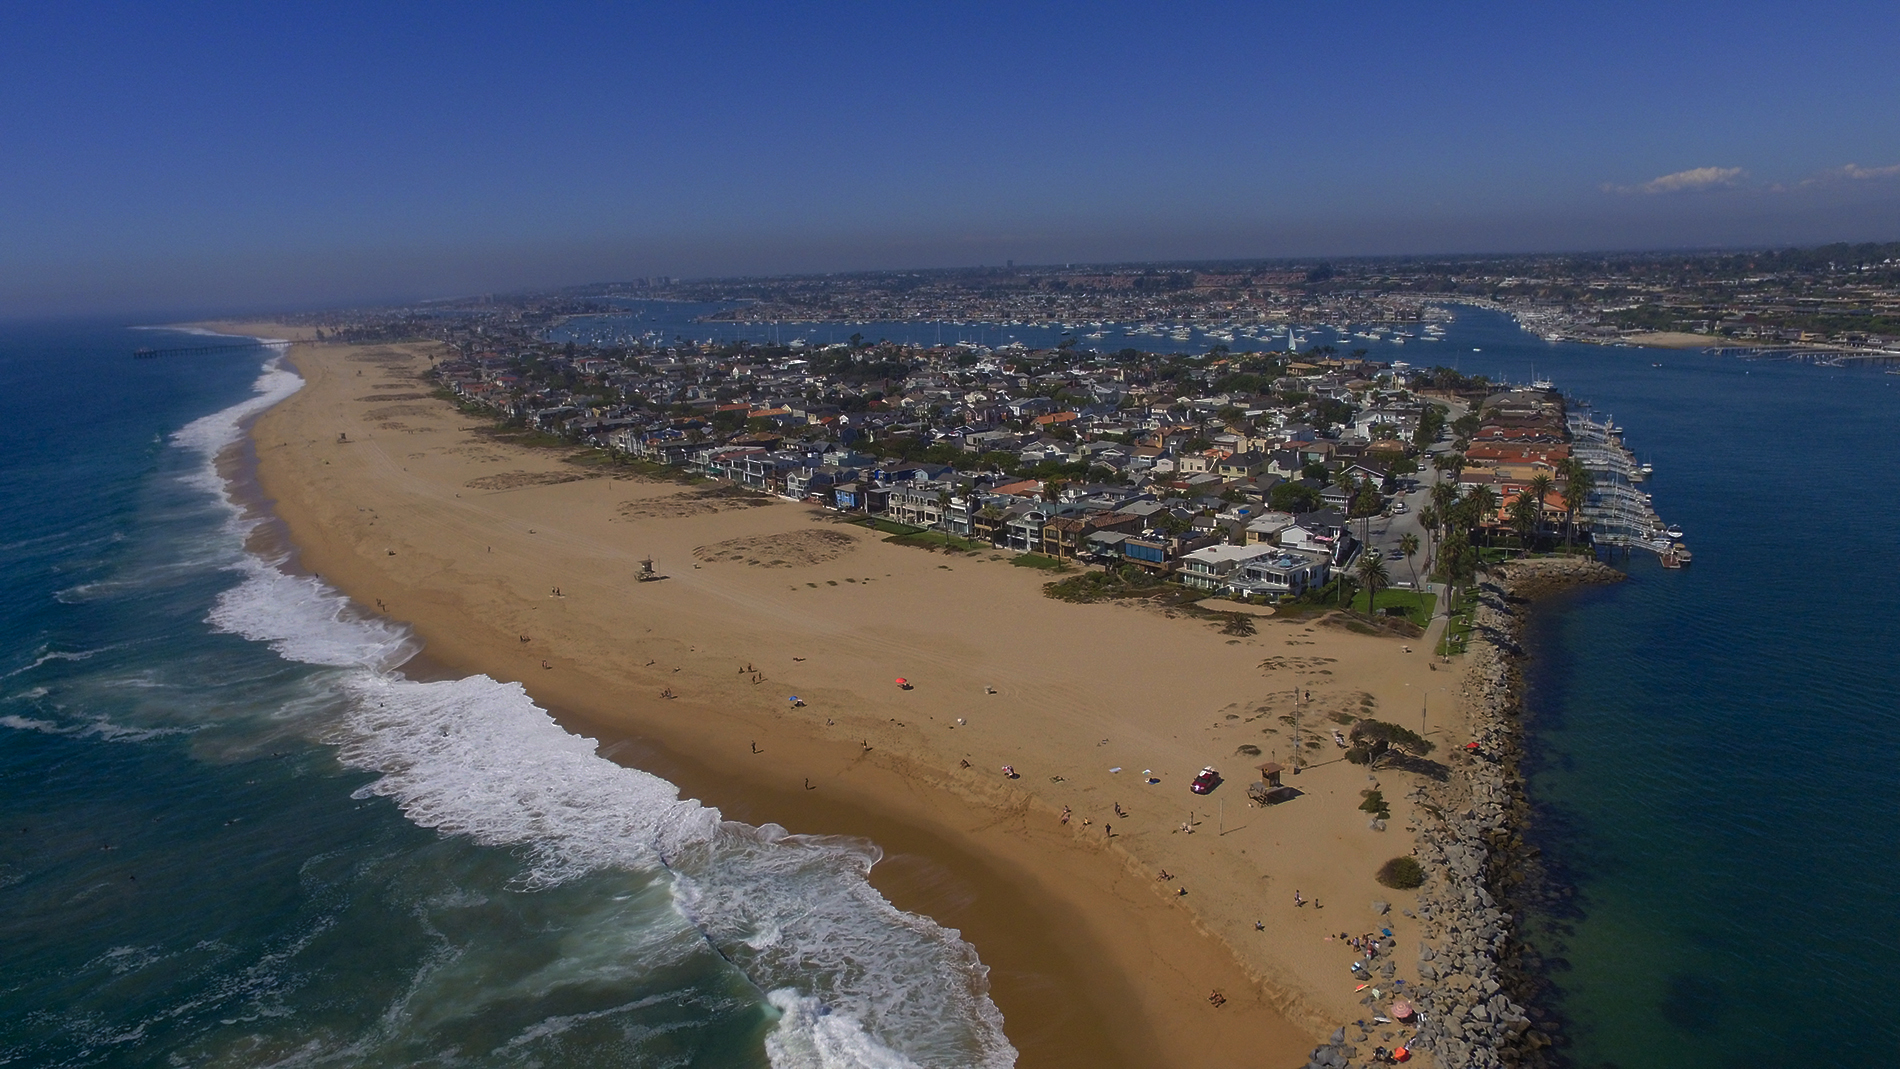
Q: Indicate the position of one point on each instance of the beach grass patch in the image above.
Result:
(1373, 801)
(1247, 750)
(1037, 560)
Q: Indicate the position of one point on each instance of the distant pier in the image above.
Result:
(198, 350)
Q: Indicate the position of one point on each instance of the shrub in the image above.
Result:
(1377, 736)
(1248, 750)
(1403, 873)
(1240, 624)
(1375, 804)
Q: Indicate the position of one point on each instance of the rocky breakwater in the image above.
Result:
(1475, 980)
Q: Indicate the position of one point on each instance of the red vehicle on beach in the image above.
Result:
(1206, 781)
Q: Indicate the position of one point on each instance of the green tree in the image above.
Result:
(1429, 521)
(1458, 560)
(1444, 496)
(1578, 482)
(1539, 489)
(1523, 516)
(1408, 548)
(1373, 576)
(1483, 502)
(1293, 497)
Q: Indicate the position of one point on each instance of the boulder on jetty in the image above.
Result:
(1470, 842)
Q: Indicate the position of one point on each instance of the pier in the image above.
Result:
(199, 350)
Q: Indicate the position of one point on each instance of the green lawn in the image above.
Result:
(938, 539)
(904, 534)
(888, 527)
(1458, 633)
(1418, 605)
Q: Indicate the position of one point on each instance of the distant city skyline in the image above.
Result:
(231, 157)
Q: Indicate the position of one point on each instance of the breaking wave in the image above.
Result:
(850, 979)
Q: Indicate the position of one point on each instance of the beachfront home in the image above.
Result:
(1208, 568)
(1278, 574)
(1067, 537)
(1318, 532)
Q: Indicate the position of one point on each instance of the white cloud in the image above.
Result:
(1694, 180)
(1855, 170)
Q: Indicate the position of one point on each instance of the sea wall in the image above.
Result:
(1475, 980)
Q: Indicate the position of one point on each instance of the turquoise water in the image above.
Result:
(232, 833)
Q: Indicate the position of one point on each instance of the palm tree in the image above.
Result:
(1523, 517)
(1372, 576)
(1539, 488)
(1408, 548)
(1444, 496)
(1459, 559)
(1429, 521)
(1484, 505)
(991, 514)
(1578, 483)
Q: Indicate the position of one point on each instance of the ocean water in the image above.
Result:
(232, 832)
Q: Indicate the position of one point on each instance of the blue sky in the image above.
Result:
(204, 155)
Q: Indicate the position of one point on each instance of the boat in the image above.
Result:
(1672, 532)
(1682, 554)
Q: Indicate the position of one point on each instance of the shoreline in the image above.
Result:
(1073, 950)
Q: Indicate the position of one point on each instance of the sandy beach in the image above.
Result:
(1672, 339)
(510, 560)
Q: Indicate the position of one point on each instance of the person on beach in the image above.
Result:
(1297, 900)
(1065, 814)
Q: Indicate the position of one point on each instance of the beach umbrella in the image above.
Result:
(1401, 1009)
(902, 682)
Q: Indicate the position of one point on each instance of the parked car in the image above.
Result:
(1206, 781)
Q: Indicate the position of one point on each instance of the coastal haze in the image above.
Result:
(1042, 537)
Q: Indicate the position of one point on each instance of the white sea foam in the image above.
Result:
(97, 727)
(809, 1036)
(305, 620)
(856, 982)
(47, 655)
(29, 723)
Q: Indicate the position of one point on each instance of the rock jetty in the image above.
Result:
(1471, 847)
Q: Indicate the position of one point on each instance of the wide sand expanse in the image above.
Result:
(425, 516)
